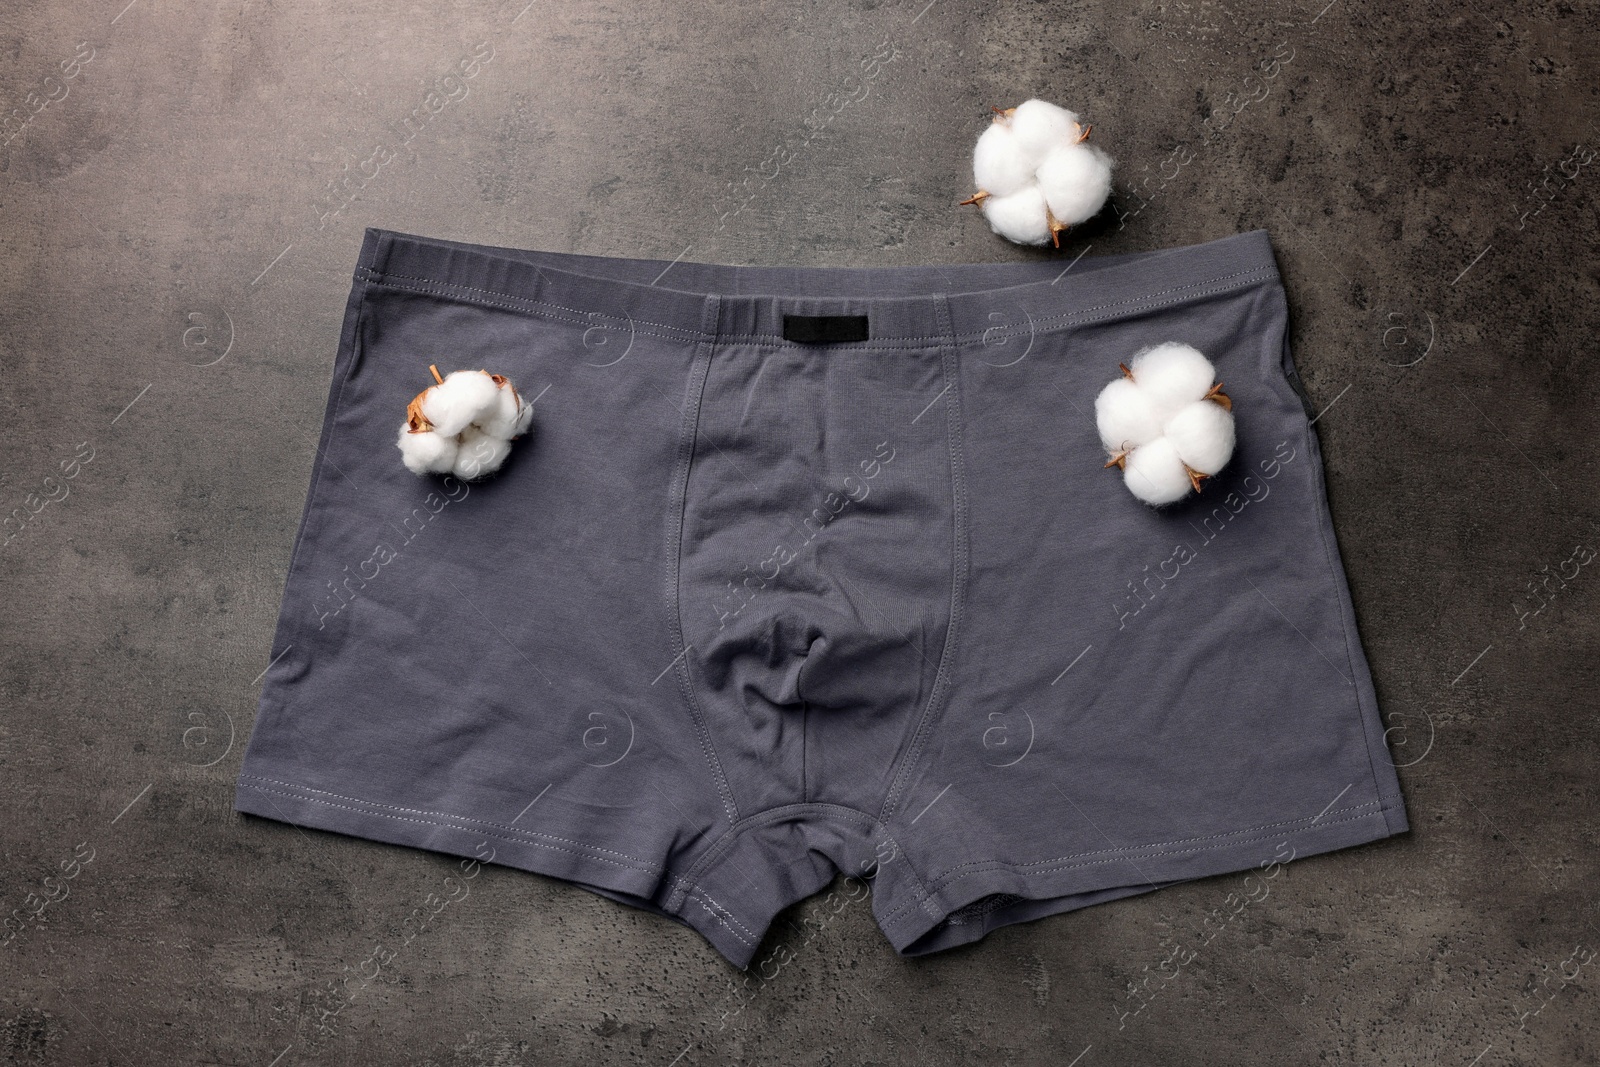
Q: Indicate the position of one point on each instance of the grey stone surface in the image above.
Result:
(178, 249)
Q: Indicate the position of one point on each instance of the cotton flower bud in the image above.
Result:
(464, 425)
(1036, 175)
(1165, 423)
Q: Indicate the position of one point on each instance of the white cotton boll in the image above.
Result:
(1036, 177)
(462, 398)
(999, 166)
(1165, 423)
(1019, 217)
(1172, 375)
(1124, 416)
(1039, 125)
(468, 422)
(1154, 473)
(479, 454)
(1203, 435)
(1076, 179)
(426, 453)
(509, 416)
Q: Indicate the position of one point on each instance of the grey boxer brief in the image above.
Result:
(815, 570)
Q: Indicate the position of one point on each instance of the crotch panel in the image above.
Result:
(816, 565)
(770, 861)
(821, 693)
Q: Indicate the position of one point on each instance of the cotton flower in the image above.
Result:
(464, 425)
(1035, 174)
(1165, 424)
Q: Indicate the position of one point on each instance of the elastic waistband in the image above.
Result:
(905, 306)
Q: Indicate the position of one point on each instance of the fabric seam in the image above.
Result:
(689, 434)
(332, 417)
(1053, 318)
(959, 548)
(454, 290)
(338, 405)
(771, 815)
(301, 791)
(940, 878)
(942, 882)
(739, 930)
(686, 888)
(1324, 524)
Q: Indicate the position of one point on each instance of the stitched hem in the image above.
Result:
(938, 883)
(1050, 324)
(556, 312)
(981, 900)
(616, 875)
(448, 821)
(771, 815)
(895, 877)
(1142, 303)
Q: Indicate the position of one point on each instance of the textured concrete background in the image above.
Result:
(181, 203)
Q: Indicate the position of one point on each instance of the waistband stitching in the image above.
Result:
(440, 288)
(1148, 300)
